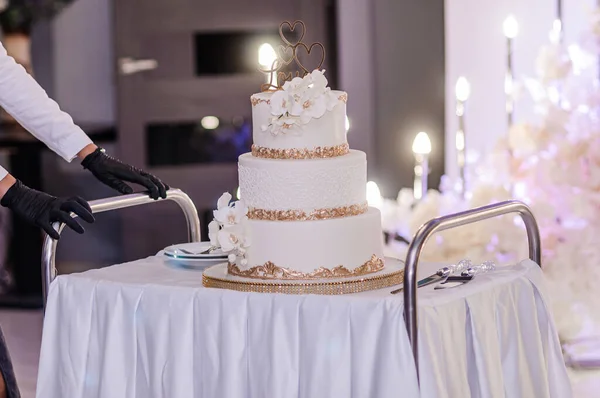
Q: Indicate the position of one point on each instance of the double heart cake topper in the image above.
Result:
(289, 52)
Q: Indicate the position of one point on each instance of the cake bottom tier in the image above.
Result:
(341, 247)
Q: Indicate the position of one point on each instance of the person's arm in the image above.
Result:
(25, 100)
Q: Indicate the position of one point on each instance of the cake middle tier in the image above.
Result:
(304, 189)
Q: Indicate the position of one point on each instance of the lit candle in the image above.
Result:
(511, 29)
(556, 34)
(237, 193)
(374, 198)
(463, 90)
(266, 59)
(421, 148)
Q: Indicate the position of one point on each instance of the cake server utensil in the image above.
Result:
(466, 275)
(440, 275)
(454, 281)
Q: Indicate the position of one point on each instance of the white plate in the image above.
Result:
(191, 251)
(197, 264)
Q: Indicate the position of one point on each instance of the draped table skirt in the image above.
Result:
(146, 329)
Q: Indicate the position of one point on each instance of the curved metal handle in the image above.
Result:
(118, 202)
(453, 221)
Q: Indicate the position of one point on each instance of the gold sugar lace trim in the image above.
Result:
(294, 153)
(255, 101)
(272, 271)
(301, 215)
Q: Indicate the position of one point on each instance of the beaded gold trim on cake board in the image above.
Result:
(301, 215)
(296, 153)
(372, 282)
(271, 271)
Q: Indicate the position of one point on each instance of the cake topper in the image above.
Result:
(288, 53)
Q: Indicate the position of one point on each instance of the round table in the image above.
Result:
(149, 329)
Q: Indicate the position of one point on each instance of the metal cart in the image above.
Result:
(412, 258)
(448, 222)
(119, 202)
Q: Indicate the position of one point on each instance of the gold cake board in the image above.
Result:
(393, 274)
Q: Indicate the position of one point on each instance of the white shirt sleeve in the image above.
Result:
(25, 100)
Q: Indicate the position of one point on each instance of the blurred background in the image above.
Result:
(165, 85)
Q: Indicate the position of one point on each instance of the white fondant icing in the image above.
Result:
(307, 245)
(328, 130)
(303, 184)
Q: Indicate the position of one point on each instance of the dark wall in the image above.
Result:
(409, 88)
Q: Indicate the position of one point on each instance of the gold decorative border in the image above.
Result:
(296, 154)
(255, 101)
(301, 215)
(374, 282)
(272, 271)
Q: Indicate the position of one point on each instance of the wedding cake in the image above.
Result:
(302, 213)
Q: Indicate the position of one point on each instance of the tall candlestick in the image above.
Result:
(511, 29)
(463, 90)
(421, 148)
(557, 32)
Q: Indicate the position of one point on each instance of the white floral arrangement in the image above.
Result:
(299, 101)
(229, 229)
(552, 165)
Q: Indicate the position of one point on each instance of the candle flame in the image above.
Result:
(373, 194)
(463, 89)
(511, 27)
(421, 144)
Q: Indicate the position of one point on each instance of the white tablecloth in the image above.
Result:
(148, 330)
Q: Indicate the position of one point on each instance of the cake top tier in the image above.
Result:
(297, 116)
(304, 119)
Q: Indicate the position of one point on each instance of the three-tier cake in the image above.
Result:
(303, 217)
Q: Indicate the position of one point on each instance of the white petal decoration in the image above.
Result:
(224, 200)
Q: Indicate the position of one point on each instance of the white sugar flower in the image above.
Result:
(224, 200)
(213, 230)
(230, 238)
(229, 229)
(299, 101)
(231, 215)
(281, 103)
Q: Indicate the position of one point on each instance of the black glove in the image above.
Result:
(42, 210)
(112, 172)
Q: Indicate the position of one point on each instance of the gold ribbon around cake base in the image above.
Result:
(301, 215)
(296, 153)
(272, 271)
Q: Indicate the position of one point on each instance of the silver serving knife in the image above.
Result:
(455, 281)
(440, 275)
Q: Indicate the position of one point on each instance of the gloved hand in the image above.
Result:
(41, 209)
(113, 173)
